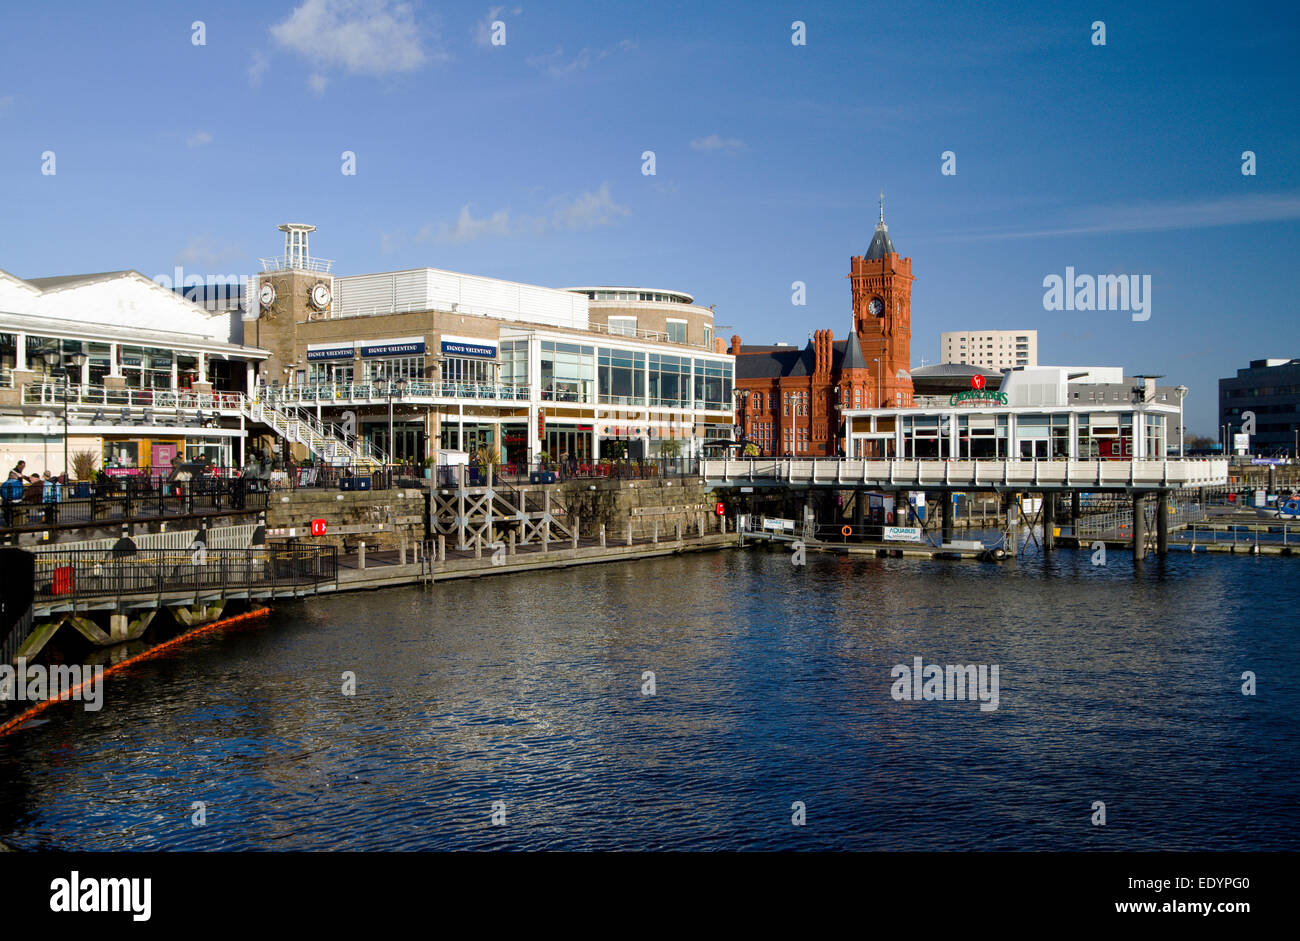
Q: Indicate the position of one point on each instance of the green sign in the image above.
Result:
(978, 395)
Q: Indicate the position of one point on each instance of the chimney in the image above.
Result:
(735, 345)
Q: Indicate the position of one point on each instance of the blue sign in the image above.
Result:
(456, 348)
(408, 348)
(338, 352)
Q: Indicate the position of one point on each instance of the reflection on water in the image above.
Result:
(772, 686)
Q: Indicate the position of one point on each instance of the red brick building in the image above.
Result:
(790, 397)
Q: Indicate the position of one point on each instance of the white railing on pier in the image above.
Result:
(979, 474)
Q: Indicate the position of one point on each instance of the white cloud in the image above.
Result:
(317, 82)
(257, 68)
(556, 64)
(585, 211)
(588, 211)
(1157, 217)
(198, 139)
(717, 142)
(372, 37)
(482, 30)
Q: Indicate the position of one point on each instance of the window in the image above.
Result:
(708, 337)
(621, 377)
(568, 371)
(670, 380)
(392, 368)
(622, 326)
(758, 401)
(514, 363)
(712, 384)
(785, 403)
(677, 331)
(468, 370)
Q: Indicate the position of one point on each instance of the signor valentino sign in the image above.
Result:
(977, 393)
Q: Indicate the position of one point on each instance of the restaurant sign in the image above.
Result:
(978, 395)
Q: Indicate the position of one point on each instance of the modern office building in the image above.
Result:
(151, 376)
(991, 349)
(1269, 388)
(457, 361)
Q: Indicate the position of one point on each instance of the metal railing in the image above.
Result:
(1260, 533)
(129, 499)
(329, 393)
(52, 394)
(287, 263)
(71, 576)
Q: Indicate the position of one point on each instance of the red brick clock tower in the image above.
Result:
(882, 316)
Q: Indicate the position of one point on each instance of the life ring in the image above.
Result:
(846, 531)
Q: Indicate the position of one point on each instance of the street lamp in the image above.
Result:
(53, 358)
(1182, 428)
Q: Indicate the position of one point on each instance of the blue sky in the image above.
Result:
(523, 161)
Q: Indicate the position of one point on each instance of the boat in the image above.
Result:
(1288, 509)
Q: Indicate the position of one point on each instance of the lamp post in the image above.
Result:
(53, 358)
(741, 397)
(1182, 427)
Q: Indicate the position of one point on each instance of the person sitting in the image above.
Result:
(17, 472)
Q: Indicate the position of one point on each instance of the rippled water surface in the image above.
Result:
(772, 686)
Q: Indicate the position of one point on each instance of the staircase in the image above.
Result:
(325, 442)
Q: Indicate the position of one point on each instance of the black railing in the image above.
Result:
(137, 499)
(81, 574)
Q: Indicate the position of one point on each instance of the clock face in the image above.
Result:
(320, 296)
(876, 307)
(266, 295)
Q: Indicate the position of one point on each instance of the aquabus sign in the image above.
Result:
(977, 393)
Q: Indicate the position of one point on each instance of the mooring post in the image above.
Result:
(1139, 527)
(401, 551)
(701, 526)
(442, 548)
(577, 528)
(629, 533)
(512, 542)
(1162, 522)
(654, 538)
(679, 530)
(602, 535)
(361, 555)
(1049, 519)
(478, 547)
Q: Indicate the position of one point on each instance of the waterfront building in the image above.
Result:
(990, 349)
(151, 376)
(1269, 388)
(1048, 413)
(791, 399)
(463, 362)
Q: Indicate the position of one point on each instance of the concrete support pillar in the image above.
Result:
(946, 497)
(442, 548)
(512, 542)
(655, 537)
(701, 526)
(1049, 519)
(1139, 527)
(478, 548)
(577, 528)
(401, 551)
(629, 534)
(602, 535)
(859, 510)
(1162, 522)
(361, 555)
(679, 530)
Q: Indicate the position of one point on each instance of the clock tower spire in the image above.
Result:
(882, 315)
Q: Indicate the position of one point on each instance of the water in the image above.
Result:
(773, 686)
